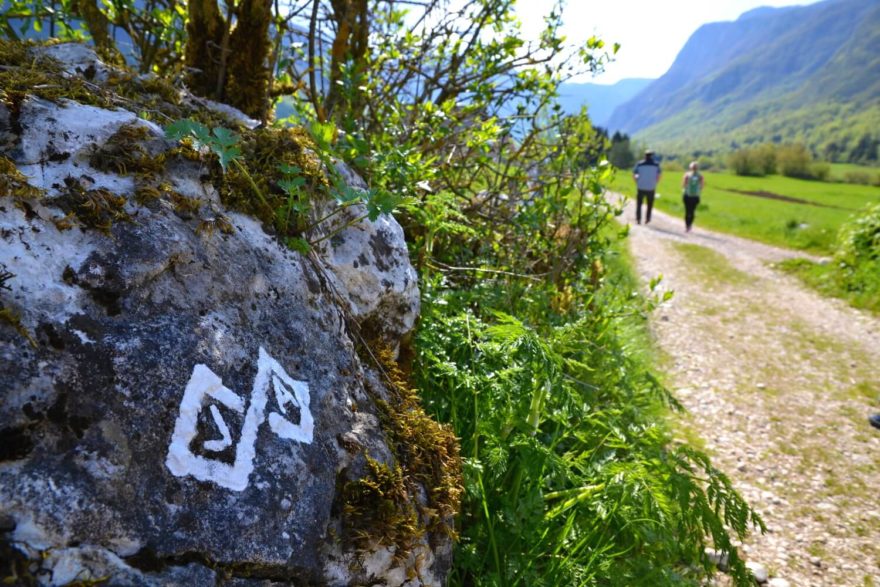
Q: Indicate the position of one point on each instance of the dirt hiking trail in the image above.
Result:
(778, 383)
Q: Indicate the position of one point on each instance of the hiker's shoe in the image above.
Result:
(874, 420)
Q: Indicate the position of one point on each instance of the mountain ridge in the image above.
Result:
(600, 99)
(734, 82)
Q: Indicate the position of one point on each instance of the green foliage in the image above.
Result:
(794, 161)
(754, 161)
(854, 273)
(621, 152)
(570, 477)
(221, 141)
(291, 210)
(858, 256)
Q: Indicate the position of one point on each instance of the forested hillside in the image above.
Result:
(806, 74)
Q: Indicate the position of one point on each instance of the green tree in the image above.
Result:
(794, 160)
(621, 154)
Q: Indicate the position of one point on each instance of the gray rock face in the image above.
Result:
(192, 403)
(369, 265)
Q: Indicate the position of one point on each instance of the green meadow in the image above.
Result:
(777, 210)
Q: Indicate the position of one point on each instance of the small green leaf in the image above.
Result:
(225, 137)
(299, 245)
(291, 185)
(226, 155)
(289, 169)
(188, 128)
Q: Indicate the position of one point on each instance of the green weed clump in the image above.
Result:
(854, 273)
(571, 474)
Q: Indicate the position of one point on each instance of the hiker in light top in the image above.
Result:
(692, 184)
(646, 174)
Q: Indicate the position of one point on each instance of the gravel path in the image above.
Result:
(778, 383)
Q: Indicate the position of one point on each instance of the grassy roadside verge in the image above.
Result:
(824, 278)
(568, 455)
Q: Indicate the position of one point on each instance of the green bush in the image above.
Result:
(754, 161)
(743, 163)
(857, 176)
(571, 477)
(820, 171)
(857, 257)
(854, 273)
(794, 161)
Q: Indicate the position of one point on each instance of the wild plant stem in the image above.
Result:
(250, 179)
(338, 230)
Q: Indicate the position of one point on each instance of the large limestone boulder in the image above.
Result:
(181, 398)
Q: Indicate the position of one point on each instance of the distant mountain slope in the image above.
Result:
(807, 73)
(601, 100)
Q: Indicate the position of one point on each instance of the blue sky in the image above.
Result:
(650, 32)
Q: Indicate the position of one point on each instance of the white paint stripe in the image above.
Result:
(218, 445)
(205, 383)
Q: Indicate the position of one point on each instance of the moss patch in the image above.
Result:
(14, 183)
(379, 506)
(125, 153)
(427, 458)
(98, 208)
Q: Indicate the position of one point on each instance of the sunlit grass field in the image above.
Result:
(806, 218)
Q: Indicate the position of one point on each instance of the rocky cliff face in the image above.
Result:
(183, 401)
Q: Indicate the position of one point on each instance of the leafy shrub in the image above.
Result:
(820, 171)
(857, 176)
(570, 475)
(742, 163)
(754, 161)
(673, 165)
(794, 161)
(854, 274)
(858, 255)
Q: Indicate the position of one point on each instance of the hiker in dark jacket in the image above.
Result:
(646, 174)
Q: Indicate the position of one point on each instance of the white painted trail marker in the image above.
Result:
(205, 390)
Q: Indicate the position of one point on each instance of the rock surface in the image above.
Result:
(191, 404)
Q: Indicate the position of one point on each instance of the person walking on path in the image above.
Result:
(646, 174)
(692, 183)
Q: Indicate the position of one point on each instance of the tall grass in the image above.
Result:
(571, 475)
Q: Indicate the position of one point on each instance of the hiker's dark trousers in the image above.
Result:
(640, 197)
(690, 206)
